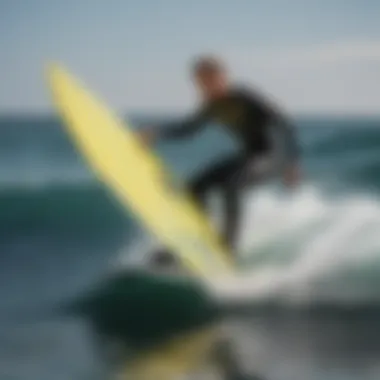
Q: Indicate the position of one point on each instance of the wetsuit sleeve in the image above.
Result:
(280, 122)
(283, 124)
(186, 127)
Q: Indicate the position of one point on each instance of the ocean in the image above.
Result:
(311, 256)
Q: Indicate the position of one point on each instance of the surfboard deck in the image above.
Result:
(137, 177)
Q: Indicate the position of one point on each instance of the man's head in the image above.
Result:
(210, 77)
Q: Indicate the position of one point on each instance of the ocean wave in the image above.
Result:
(59, 206)
(308, 249)
(347, 139)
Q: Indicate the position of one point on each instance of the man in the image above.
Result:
(249, 118)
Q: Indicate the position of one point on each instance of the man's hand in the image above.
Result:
(291, 176)
(148, 136)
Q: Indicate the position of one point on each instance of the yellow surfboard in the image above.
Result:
(137, 177)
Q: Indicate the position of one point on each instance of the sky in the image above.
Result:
(309, 55)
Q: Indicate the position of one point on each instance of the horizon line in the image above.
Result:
(171, 113)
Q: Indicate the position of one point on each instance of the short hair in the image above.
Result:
(207, 64)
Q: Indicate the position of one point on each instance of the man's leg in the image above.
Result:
(232, 216)
(221, 176)
(231, 208)
(215, 176)
(248, 172)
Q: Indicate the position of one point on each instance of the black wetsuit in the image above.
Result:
(248, 117)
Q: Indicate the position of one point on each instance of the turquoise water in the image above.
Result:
(313, 257)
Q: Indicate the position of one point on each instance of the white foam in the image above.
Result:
(325, 238)
(304, 241)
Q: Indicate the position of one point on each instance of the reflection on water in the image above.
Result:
(294, 347)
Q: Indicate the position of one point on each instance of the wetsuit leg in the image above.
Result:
(231, 213)
(230, 176)
(221, 176)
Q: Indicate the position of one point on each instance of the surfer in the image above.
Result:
(250, 118)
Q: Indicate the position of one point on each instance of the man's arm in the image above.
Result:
(287, 130)
(177, 130)
(291, 173)
(282, 124)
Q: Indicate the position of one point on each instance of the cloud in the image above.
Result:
(335, 53)
(338, 76)
(327, 54)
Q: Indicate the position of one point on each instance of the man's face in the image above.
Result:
(211, 84)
